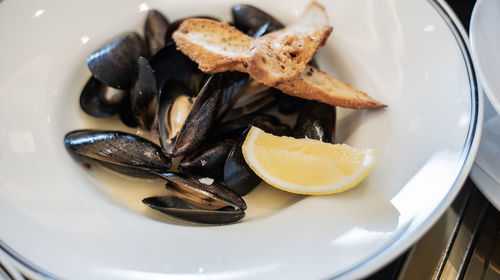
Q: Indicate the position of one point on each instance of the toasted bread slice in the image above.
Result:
(282, 55)
(219, 46)
(315, 84)
(214, 54)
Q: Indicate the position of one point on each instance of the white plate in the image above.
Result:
(485, 171)
(485, 46)
(61, 220)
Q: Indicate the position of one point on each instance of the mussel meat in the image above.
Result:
(202, 115)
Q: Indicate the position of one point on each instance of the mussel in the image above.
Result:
(250, 19)
(210, 157)
(171, 64)
(205, 194)
(316, 121)
(238, 176)
(155, 30)
(99, 100)
(115, 64)
(143, 95)
(176, 207)
(122, 152)
(202, 115)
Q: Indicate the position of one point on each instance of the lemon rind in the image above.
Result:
(344, 184)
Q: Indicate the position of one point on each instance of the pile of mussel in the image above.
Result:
(203, 119)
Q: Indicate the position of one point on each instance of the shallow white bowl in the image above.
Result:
(485, 47)
(62, 221)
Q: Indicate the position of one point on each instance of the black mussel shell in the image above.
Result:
(233, 84)
(316, 121)
(125, 113)
(171, 64)
(238, 176)
(174, 25)
(250, 19)
(176, 207)
(115, 64)
(234, 128)
(171, 90)
(288, 104)
(118, 149)
(99, 100)
(210, 197)
(155, 29)
(261, 102)
(143, 95)
(208, 159)
(201, 118)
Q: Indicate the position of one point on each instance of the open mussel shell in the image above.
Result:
(250, 19)
(143, 95)
(115, 64)
(173, 108)
(202, 115)
(122, 152)
(155, 29)
(316, 121)
(176, 207)
(171, 64)
(99, 100)
(205, 196)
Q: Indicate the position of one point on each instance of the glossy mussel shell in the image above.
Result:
(202, 115)
(99, 100)
(155, 29)
(143, 95)
(115, 64)
(211, 197)
(316, 121)
(176, 207)
(122, 152)
(249, 19)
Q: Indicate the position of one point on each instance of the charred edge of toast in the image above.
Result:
(305, 88)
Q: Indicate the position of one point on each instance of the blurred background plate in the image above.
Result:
(485, 47)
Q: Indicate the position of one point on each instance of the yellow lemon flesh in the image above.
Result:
(306, 166)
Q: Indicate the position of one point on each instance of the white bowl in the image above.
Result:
(66, 222)
(485, 46)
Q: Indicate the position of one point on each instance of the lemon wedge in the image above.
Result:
(306, 166)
